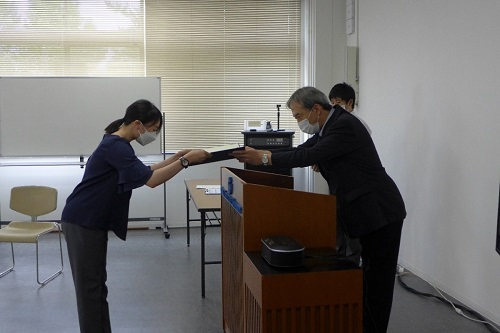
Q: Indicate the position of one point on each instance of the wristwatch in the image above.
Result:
(265, 160)
(184, 162)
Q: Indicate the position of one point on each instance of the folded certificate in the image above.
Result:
(221, 153)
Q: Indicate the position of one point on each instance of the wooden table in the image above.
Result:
(204, 203)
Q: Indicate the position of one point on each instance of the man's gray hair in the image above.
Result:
(308, 96)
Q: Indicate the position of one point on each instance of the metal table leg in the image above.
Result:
(187, 214)
(202, 232)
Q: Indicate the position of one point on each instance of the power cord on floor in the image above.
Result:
(459, 309)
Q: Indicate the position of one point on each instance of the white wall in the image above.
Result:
(330, 44)
(330, 41)
(145, 203)
(430, 89)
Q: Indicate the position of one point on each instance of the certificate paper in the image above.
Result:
(221, 153)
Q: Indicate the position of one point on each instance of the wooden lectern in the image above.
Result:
(323, 295)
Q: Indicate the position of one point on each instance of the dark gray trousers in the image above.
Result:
(380, 250)
(87, 250)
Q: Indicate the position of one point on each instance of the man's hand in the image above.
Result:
(251, 156)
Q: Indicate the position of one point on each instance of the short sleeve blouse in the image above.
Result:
(101, 200)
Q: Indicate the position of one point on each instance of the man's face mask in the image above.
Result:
(308, 128)
(147, 137)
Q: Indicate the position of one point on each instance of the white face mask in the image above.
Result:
(147, 137)
(308, 128)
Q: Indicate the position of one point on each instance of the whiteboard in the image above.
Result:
(66, 116)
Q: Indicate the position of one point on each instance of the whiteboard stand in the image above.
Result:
(165, 227)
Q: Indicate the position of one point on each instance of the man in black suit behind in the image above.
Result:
(369, 204)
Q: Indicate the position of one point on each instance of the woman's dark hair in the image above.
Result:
(143, 110)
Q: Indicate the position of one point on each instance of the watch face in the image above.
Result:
(184, 162)
(265, 159)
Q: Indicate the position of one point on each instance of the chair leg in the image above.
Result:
(53, 276)
(13, 263)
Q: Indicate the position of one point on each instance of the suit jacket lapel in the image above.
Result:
(337, 111)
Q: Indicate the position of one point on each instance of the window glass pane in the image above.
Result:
(221, 61)
(72, 38)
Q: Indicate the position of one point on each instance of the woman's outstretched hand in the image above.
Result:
(196, 156)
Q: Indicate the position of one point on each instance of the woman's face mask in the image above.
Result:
(146, 137)
(308, 128)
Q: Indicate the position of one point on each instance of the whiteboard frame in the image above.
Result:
(66, 116)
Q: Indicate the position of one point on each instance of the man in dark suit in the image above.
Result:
(369, 204)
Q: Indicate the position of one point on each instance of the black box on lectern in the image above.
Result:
(268, 141)
(282, 251)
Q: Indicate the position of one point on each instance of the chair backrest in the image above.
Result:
(33, 200)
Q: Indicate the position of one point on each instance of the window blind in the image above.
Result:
(221, 61)
(71, 38)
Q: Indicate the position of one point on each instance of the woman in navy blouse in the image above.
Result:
(101, 203)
